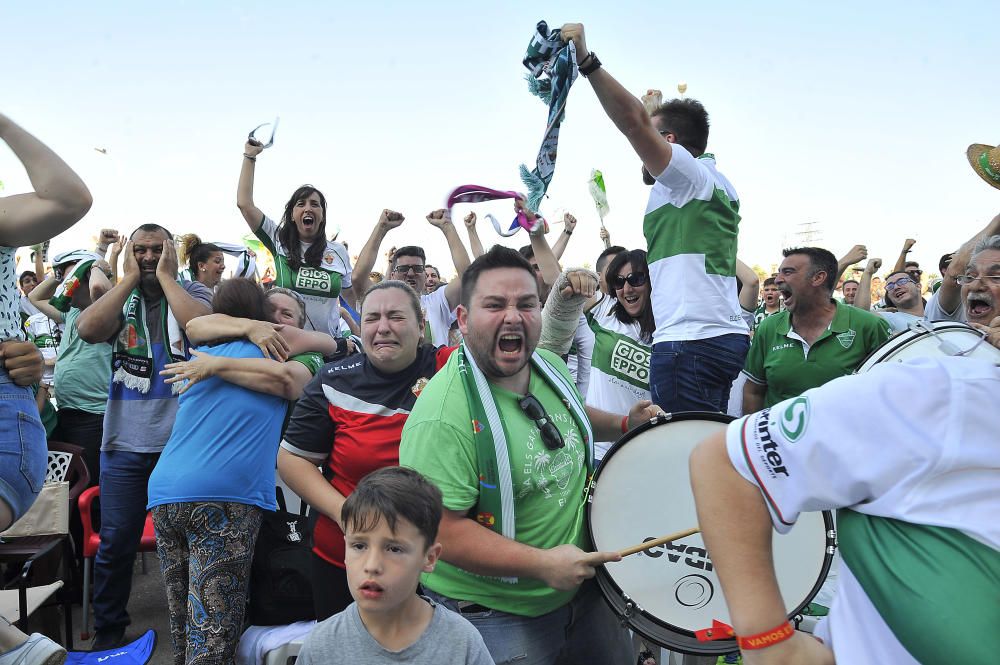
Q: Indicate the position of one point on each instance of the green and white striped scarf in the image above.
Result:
(495, 509)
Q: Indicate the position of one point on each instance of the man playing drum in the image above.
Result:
(917, 526)
(815, 339)
(504, 434)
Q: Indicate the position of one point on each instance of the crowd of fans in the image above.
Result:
(187, 385)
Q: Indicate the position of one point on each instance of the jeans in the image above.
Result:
(124, 478)
(696, 375)
(23, 449)
(582, 631)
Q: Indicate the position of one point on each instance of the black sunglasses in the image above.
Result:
(550, 433)
(402, 270)
(636, 279)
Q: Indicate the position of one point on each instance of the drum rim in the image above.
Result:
(899, 343)
(648, 625)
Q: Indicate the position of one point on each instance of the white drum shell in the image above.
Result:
(642, 491)
(918, 343)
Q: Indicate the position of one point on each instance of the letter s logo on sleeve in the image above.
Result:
(794, 419)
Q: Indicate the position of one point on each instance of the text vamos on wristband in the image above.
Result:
(767, 638)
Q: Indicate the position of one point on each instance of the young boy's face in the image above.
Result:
(384, 566)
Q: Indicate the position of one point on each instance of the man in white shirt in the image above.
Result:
(917, 525)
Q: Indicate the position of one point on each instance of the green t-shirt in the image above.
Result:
(548, 484)
(779, 358)
(83, 372)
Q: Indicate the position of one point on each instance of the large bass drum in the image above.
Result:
(642, 491)
(924, 339)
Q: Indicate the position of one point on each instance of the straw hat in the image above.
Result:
(985, 160)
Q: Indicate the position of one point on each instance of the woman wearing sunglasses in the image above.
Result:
(304, 260)
(622, 322)
(902, 293)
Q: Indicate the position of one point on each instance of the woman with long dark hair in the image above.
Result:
(304, 260)
(622, 322)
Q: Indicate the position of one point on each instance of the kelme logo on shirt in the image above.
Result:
(846, 339)
(794, 419)
(311, 279)
(631, 361)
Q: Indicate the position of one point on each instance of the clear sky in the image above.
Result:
(853, 115)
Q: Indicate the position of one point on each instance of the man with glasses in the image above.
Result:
(408, 265)
(816, 339)
(902, 293)
(504, 434)
(951, 301)
(691, 226)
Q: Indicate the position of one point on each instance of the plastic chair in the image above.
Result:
(92, 541)
(286, 654)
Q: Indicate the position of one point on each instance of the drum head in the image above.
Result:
(642, 491)
(948, 339)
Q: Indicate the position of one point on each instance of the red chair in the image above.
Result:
(92, 540)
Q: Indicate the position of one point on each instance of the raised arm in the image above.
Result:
(950, 293)
(474, 242)
(624, 109)
(388, 220)
(40, 295)
(547, 262)
(459, 256)
(59, 198)
(901, 261)
(605, 237)
(244, 190)
(751, 286)
(182, 305)
(863, 300)
(856, 254)
(575, 290)
(569, 223)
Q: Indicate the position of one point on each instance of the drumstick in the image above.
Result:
(635, 549)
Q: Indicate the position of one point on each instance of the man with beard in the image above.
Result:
(814, 340)
(902, 293)
(771, 303)
(691, 226)
(504, 434)
(407, 264)
(143, 317)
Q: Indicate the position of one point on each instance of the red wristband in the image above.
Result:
(766, 639)
(624, 424)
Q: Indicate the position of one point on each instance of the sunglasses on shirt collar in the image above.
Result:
(536, 412)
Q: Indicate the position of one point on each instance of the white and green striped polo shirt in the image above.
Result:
(691, 225)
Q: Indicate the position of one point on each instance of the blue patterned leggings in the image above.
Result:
(205, 551)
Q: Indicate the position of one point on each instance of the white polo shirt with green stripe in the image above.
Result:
(917, 493)
(319, 287)
(691, 223)
(619, 366)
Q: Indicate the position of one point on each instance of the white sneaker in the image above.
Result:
(36, 650)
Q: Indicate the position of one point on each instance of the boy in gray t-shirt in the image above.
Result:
(390, 530)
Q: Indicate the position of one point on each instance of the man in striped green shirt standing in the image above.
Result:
(691, 227)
